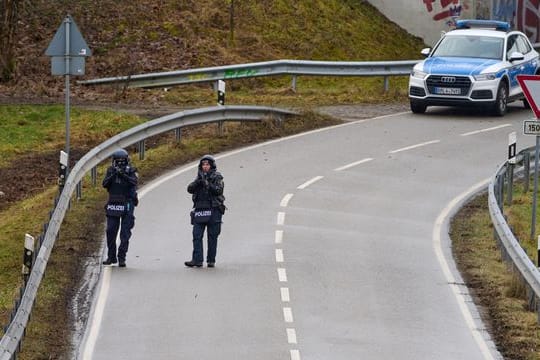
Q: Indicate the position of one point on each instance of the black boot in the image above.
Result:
(192, 264)
(110, 261)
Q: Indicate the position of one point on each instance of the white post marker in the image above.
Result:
(512, 140)
(28, 258)
(221, 92)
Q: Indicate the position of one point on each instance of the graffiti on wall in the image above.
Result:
(528, 18)
(444, 9)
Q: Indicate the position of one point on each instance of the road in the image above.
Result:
(334, 246)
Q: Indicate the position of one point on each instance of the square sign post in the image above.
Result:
(531, 89)
(68, 50)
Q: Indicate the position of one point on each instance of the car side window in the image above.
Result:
(511, 46)
(523, 45)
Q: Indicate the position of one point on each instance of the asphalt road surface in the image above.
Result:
(335, 246)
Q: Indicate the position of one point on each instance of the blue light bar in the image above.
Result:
(498, 25)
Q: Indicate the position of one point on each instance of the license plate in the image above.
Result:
(447, 91)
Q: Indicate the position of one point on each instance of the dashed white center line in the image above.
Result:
(287, 315)
(414, 146)
(295, 355)
(285, 200)
(309, 182)
(291, 336)
(348, 166)
(485, 130)
(282, 274)
(279, 236)
(279, 255)
(280, 218)
(285, 297)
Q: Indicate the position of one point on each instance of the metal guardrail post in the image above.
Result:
(79, 190)
(141, 149)
(220, 128)
(178, 134)
(293, 84)
(509, 183)
(93, 175)
(386, 84)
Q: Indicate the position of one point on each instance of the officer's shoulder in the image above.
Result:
(218, 174)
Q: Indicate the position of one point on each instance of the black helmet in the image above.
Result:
(210, 159)
(120, 157)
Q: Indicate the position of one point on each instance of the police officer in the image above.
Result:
(208, 208)
(121, 183)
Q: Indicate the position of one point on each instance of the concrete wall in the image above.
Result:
(427, 18)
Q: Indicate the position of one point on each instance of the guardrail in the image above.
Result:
(268, 68)
(10, 342)
(510, 247)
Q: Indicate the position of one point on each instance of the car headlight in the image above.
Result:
(418, 74)
(484, 77)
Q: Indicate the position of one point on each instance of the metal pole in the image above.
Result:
(293, 85)
(386, 84)
(535, 191)
(527, 171)
(67, 21)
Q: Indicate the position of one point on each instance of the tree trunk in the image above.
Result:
(8, 24)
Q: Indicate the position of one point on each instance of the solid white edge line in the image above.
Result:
(437, 245)
(282, 274)
(287, 315)
(279, 255)
(95, 321)
(280, 218)
(295, 355)
(291, 336)
(485, 130)
(285, 296)
(310, 182)
(279, 236)
(414, 146)
(166, 177)
(285, 201)
(348, 166)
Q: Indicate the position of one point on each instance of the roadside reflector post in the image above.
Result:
(62, 170)
(512, 139)
(221, 93)
(28, 257)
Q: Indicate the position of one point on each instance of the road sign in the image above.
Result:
(75, 47)
(531, 89)
(531, 127)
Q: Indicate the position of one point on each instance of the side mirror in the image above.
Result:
(516, 56)
(425, 52)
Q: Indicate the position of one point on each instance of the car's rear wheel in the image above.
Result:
(501, 102)
(418, 107)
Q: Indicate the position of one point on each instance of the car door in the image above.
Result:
(516, 67)
(531, 58)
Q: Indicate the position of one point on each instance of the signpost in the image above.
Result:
(531, 89)
(68, 50)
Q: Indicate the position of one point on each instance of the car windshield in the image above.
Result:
(470, 46)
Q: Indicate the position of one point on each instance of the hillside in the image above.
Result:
(151, 36)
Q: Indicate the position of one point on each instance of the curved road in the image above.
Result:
(335, 246)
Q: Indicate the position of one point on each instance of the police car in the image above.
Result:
(475, 64)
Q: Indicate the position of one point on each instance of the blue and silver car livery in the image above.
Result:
(475, 64)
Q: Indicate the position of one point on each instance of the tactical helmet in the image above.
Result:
(120, 157)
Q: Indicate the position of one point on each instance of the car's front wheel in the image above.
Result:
(418, 107)
(501, 102)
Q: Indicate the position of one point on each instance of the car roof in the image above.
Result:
(479, 32)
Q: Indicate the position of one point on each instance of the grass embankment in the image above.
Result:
(496, 288)
(81, 234)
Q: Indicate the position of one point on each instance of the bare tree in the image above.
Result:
(9, 10)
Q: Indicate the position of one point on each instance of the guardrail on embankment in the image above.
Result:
(268, 68)
(11, 341)
(511, 249)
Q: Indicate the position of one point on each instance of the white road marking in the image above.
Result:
(282, 274)
(285, 297)
(279, 236)
(280, 218)
(295, 355)
(279, 255)
(485, 130)
(348, 166)
(291, 336)
(287, 315)
(438, 228)
(285, 201)
(309, 182)
(414, 146)
(98, 314)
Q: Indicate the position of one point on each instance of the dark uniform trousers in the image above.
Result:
(214, 228)
(125, 223)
